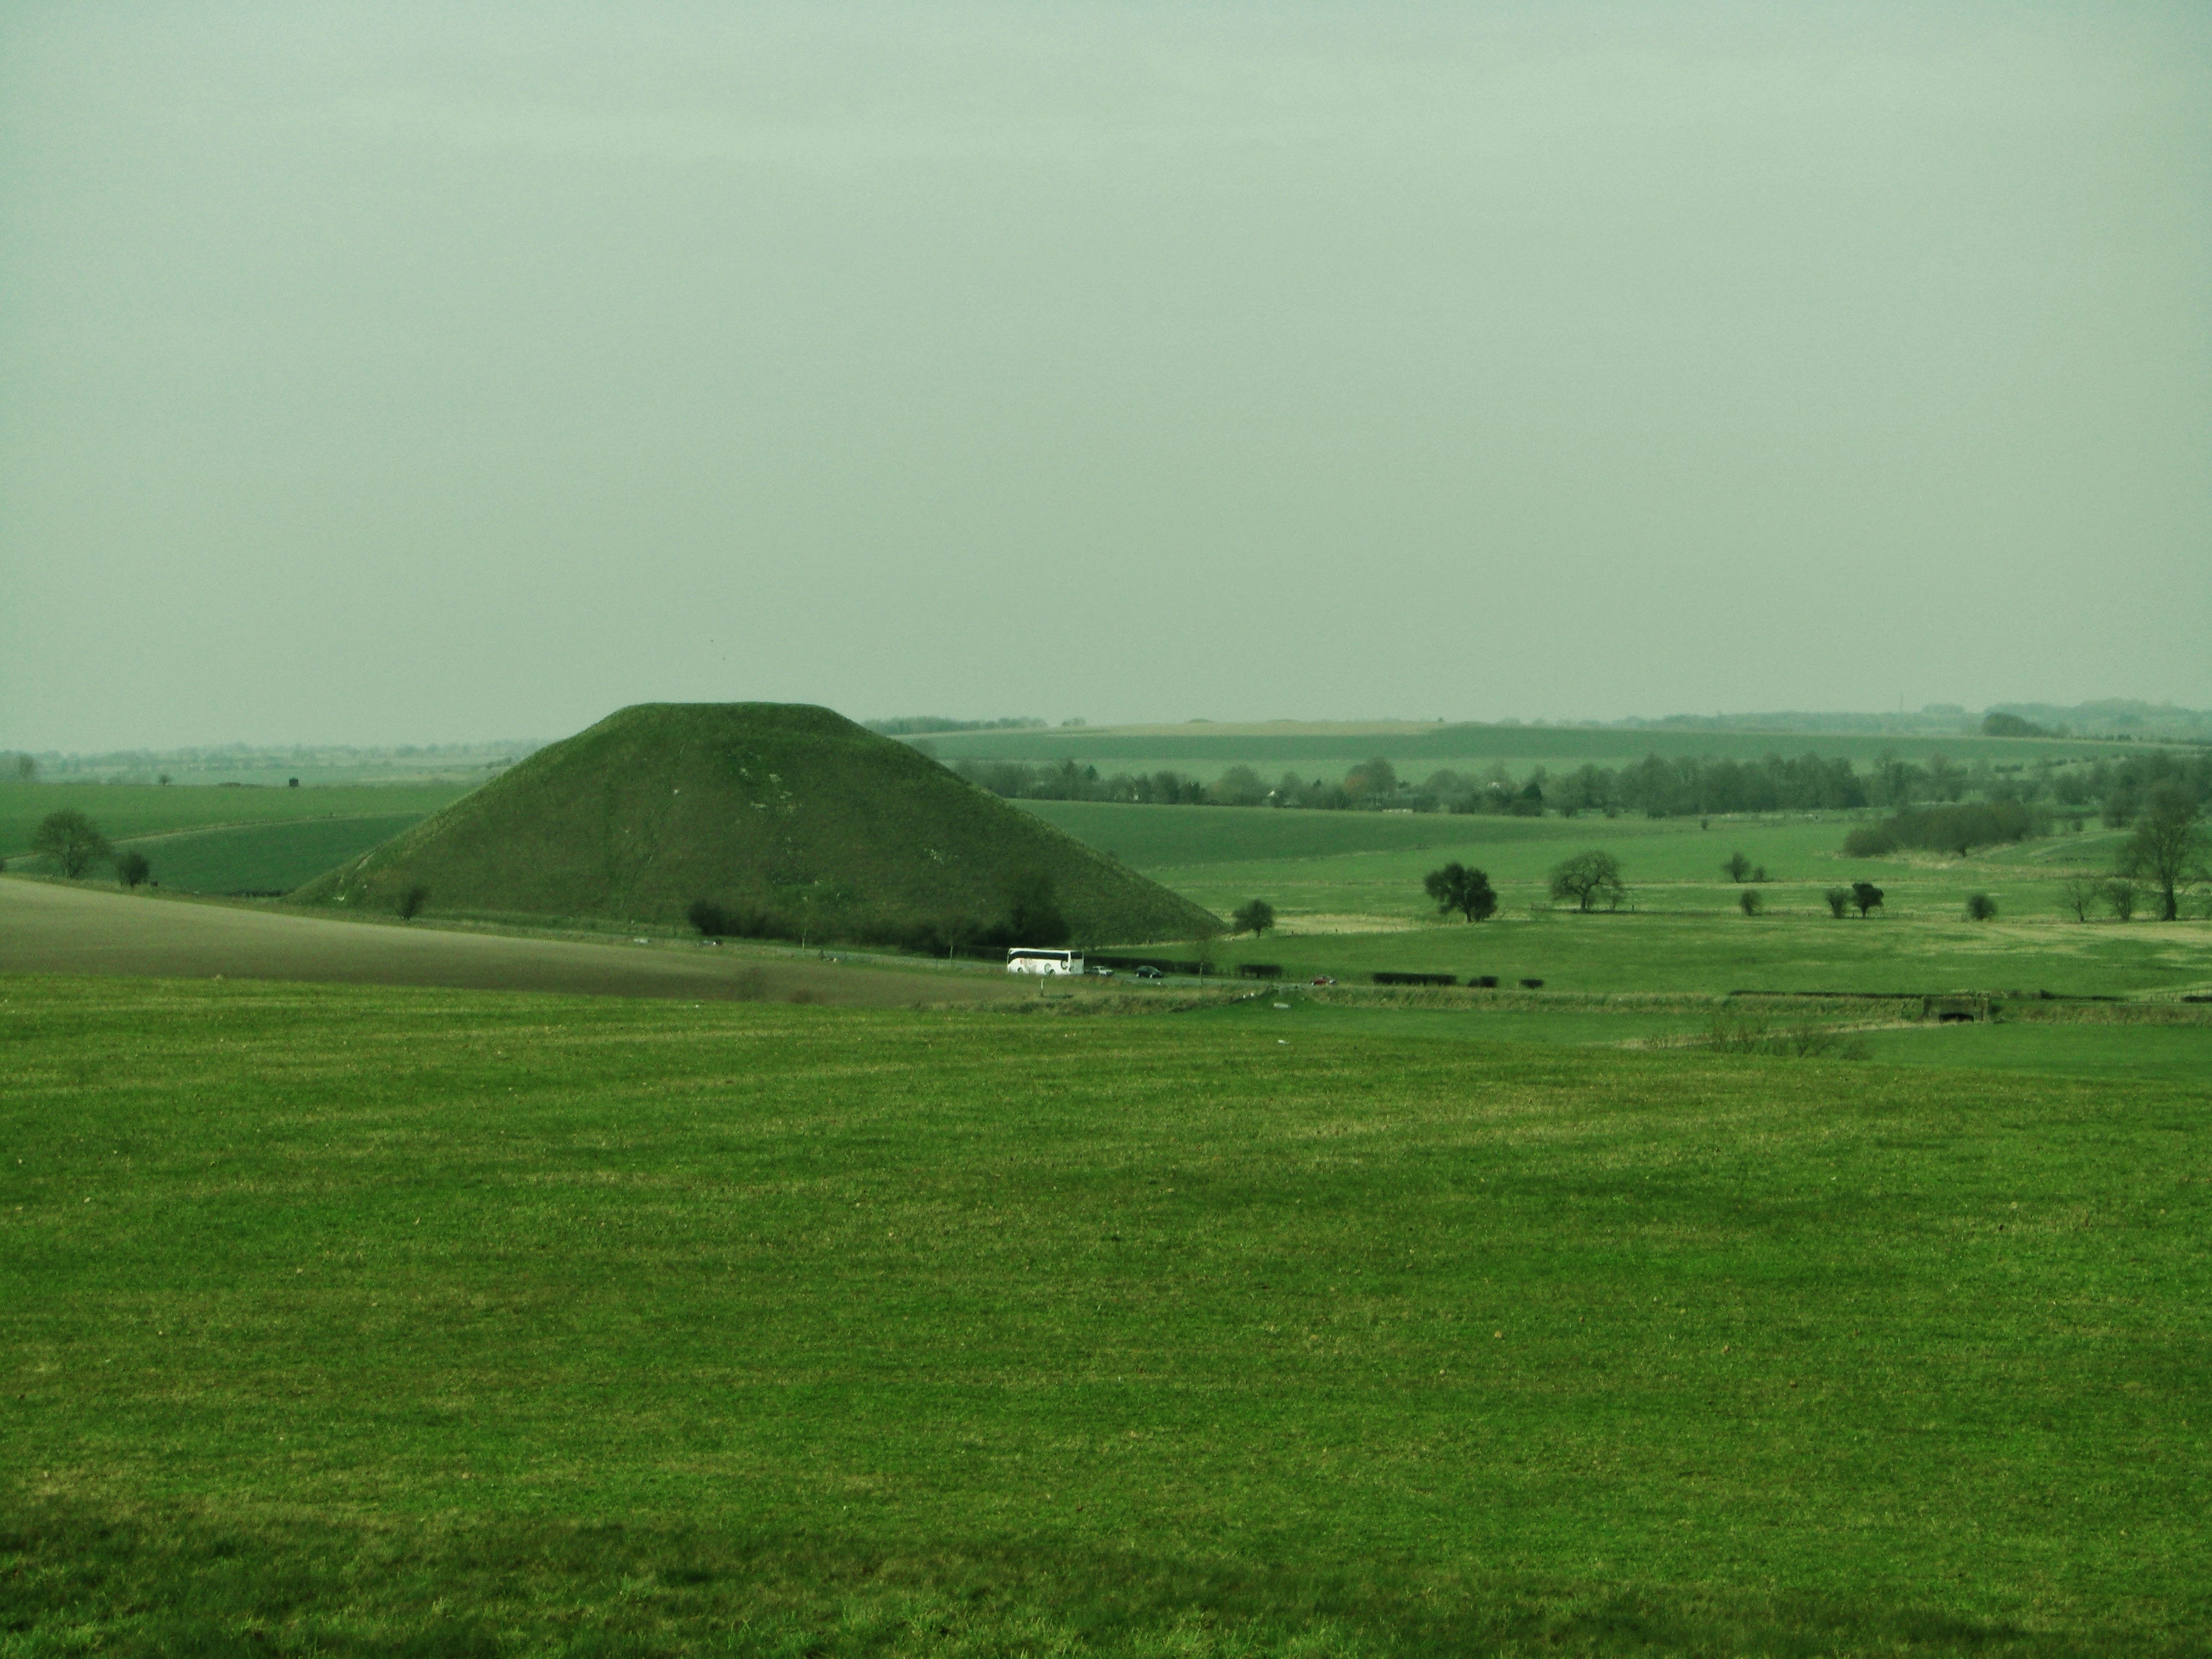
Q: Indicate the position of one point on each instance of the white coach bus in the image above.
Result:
(1021, 960)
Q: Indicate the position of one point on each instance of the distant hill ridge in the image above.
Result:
(789, 819)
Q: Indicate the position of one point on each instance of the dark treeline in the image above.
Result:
(1028, 915)
(1951, 828)
(1655, 787)
(907, 726)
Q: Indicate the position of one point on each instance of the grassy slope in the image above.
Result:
(1418, 751)
(124, 810)
(777, 806)
(777, 1331)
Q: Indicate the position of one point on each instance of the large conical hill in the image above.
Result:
(782, 818)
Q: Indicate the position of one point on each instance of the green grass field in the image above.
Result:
(125, 811)
(1347, 890)
(263, 858)
(1369, 863)
(353, 1321)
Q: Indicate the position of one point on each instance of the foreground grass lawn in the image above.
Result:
(345, 1319)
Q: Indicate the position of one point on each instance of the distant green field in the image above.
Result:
(1660, 951)
(1365, 864)
(348, 1321)
(124, 810)
(1417, 751)
(265, 857)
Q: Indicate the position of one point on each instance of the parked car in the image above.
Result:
(1323, 979)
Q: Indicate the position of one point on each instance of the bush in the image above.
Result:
(132, 869)
(1484, 982)
(1869, 840)
(1752, 901)
(1980, 906)
(1532, 984)
(1260, 969)
(410, 903)
(1383, 978)
(1839, 900)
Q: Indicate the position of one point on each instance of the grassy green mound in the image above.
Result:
(786, 820)
(353, 1321)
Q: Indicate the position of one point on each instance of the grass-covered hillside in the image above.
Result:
(352, 1321)
(784, 818)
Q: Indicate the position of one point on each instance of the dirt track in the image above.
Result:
(47, 928)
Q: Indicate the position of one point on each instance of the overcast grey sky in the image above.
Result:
(414, 374)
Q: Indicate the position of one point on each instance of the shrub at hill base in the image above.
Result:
(771, 820)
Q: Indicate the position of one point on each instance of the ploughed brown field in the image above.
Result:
(47, 928)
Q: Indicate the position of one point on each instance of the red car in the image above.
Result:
(1323, 979)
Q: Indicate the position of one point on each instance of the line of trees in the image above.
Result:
(1946, 829)
(1655, 787)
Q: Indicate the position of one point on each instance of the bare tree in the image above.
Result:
(2169, 847)
(2081, 895)
(71, 840)
(1587, 877)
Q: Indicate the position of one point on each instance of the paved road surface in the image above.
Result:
(49, 928)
